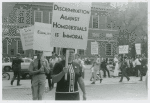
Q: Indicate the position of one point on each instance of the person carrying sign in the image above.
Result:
(67, 89)
(38, 68)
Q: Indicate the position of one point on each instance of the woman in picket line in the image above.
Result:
(96, 66)
(116, 70)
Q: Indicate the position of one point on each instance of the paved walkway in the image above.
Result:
(109, 89)
(104, 91)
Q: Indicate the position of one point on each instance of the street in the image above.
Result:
(109, 89)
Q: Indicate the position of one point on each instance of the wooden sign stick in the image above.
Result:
(66, 64)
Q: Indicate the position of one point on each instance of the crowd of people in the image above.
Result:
(122, 66)
(55, 70)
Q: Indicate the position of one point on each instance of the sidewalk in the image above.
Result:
(27, 83)
(109, 89)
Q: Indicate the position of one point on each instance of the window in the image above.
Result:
(95, 21)
(38, 16)
(5, 46)
(50, 17)
(19, 47)
(102, 22)
(108, 50)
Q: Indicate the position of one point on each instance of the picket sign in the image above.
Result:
(94, 48)
(123, 49)
(36, 37)
(70, 23)
(66, 63)
(138, 49)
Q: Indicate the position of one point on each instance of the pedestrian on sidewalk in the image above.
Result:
(96, 66)
(124, 66)
(98, 76)
(81, 63)
(138, 67)
(16, 67)
(68, 89)
(38, 68)
(104, 67)
(116, 70)
(144, 66)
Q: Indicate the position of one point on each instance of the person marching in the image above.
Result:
(116, 71)
(38, 68)
(124, 66)
(81, 63)
(52, 62)
(96, 67)
(138, 67)
(16, 66)
(68, 89)
(104, 67)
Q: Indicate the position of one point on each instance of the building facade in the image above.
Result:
(23, 15)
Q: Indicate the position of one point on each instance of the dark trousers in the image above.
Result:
(16, 74)
(106, 70)
(138, 67)
(50, 82)
(124, 74)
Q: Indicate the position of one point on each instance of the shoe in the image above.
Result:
(101, 80)
(93, 83)
(120, 81)
(140, 80)
(18, 84)
(11, 83)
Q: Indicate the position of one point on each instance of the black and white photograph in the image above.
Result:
(67, 51)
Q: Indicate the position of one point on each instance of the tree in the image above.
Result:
(129, 18)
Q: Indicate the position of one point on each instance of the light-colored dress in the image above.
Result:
(116, 70)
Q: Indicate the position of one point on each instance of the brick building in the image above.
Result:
(24, 14)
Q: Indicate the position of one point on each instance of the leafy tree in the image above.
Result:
(131, 21)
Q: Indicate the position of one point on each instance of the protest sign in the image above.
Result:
(42, 34)
(123, 49)
(27, 37)
(36, 37)
(70, 23)
(94, 48)
(138, 49)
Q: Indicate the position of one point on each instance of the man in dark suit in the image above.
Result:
(16, 66)
(124, 66)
